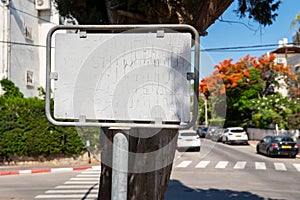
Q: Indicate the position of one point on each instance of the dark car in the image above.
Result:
(201, 131)
(278, 145)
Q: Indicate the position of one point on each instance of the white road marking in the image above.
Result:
(76, 186)
(184, 164)
(297, 166)
(61, 169)
(80, 182)
(84, 179)
(90, 172)
(280, 166)
(88, 175)
(221, 164)
(71, 191)
(62, 196)
(260, 165)
(240, 165)
(202, 164)
(25, 171)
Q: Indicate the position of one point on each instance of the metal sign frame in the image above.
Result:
(82, 28)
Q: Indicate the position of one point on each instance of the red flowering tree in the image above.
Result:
(243, 81)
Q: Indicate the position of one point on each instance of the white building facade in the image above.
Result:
(288, 55)
(24, 25)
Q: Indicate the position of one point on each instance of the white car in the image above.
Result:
(188, 139)
(235, 135)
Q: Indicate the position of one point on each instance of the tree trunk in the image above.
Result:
(150, 163)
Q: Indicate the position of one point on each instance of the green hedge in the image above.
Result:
(25, 131)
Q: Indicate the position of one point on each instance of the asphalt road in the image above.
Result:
(228, 172)
(219, 171)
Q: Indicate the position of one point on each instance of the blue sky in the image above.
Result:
(222, 34)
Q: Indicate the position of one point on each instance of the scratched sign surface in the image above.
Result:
(133, 76)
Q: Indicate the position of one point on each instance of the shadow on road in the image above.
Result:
(178, 191)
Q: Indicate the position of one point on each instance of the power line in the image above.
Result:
(31, 15)
(26, 13)
(240, 47)
(217, 49)
(22, 43)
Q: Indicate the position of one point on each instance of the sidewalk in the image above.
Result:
(48, 167)
(17, 170)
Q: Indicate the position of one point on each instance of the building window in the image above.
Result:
(29, 78)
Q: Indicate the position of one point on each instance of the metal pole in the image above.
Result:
(120, 166)
(205, 104)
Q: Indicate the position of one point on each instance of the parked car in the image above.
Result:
(210, 131)
(278, 145)
(202, 131)
(188, 139)
(217, 135)
(235, 135)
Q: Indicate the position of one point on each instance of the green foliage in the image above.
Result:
(261, 11)
(294, 121)
(273, 109)
(162, 11)
(25, 131)
(10, 89)
(239, 106)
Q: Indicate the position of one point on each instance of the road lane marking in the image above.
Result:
(280, 166)
(91, 172)
(221, 164)
(260, 165)
(84, 179)
(88, 175)
(297, 166)
(202, 164)
(80, 182)
(71, 191)
(62, 196)
(240, 165)
(184, 164)
(76, 186)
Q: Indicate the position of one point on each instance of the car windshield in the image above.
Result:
(283, 139)
(188, 134)
(237, 130)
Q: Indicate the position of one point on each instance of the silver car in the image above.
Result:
(188, 139)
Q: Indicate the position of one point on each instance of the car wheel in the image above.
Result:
(269, 153)
(293, 156)
(257, 150)
(223, 141)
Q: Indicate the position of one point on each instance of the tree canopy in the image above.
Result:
(252, 92)
(198, 13)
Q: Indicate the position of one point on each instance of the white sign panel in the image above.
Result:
(132, 76)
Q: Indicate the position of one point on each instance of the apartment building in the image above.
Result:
(24, 26)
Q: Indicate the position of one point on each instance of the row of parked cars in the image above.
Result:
(188, 139)
(226, 135)
(269, 145)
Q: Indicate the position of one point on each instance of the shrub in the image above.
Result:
(25, 130)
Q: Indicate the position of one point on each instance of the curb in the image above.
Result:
(48, 170)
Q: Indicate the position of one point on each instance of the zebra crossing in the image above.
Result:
(237, 165)
(83, 186)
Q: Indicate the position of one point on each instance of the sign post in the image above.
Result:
(129, 79)
(120, 165)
